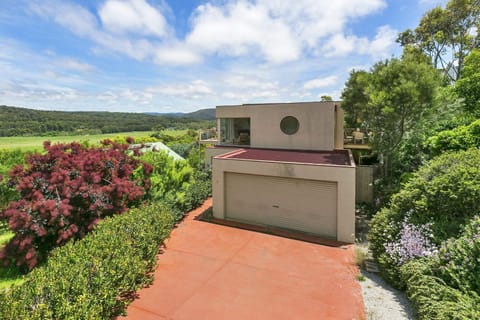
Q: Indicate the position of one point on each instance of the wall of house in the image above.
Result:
(321, 124)
(343, 176)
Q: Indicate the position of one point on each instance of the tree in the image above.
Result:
(393, 100)
(325, 98)
(468, 86)
(354, 97)
(447, 35)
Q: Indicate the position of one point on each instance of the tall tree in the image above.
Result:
(392, 99)
(468, 86)
(447, 35)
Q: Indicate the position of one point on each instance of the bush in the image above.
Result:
(176, 183)
(433, 298)
(64, 193)
(93, 278)
(443, 193)
(460, 138)
(447, 285)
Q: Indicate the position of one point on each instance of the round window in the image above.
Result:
(289, 125)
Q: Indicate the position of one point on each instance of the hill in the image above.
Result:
(202, 114)
(16, 121)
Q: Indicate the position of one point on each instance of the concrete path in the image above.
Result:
(210, 271)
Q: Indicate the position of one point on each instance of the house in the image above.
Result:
(283, 165)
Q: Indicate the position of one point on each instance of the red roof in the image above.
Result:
(337, 157)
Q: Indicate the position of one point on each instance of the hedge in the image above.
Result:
(96, 277)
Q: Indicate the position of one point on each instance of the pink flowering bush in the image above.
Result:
(64, 193)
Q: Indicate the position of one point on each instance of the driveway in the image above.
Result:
(211, 271)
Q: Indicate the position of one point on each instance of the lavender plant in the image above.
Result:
(414, 241)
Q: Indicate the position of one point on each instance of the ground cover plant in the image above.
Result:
(64, 193)
(93, 278)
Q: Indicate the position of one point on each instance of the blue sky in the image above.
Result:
(180, 56)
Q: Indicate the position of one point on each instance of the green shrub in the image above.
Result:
(93, 278)
(459, 138)
(443, 193)
(176, 183)
(433, 298)
(458, 261)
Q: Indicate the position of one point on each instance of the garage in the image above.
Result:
(291, 203)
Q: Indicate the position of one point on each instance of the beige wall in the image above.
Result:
(321, 124)
(343, 176)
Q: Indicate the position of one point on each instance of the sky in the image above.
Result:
(181, 56)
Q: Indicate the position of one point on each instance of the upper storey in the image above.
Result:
(293, 126)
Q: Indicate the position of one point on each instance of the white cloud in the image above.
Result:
(320, 82)
(120, 16)
(75, 65)
(241, 28)
(195, 89)
(176, 54)
(379, 47)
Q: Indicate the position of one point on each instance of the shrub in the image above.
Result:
(64, 193)
(447, 285)
(433, 298)
(443, 193)
(93, 278)
(459, 138)
(458, 261)
(176, 183)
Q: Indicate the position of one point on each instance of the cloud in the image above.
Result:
(274, 31)
(176, 54)
(120, 16)
(379, 47)
(320, 82)
(242, 28)
(75, 65)
(195, 89)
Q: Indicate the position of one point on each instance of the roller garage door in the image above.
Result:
(296, 204)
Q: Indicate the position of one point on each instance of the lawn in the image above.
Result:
(36, 142)
(8, 276)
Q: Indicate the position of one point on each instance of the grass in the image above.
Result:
(36, 142)
(10, 275)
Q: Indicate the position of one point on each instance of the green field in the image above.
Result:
(36, 142)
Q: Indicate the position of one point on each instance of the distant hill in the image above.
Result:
(202, 114)
(16, 121)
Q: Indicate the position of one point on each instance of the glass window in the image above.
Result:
(289, 125)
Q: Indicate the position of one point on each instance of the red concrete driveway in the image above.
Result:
(210, 271)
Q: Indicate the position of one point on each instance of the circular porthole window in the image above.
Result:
(289, 125)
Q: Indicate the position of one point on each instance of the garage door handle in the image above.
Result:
(276, 206)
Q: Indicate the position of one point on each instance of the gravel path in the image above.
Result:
(382, 301)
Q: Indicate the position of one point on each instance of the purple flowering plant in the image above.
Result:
(414, 241)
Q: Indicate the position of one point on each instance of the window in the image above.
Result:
(289, 125)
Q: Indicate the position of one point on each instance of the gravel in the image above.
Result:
(382, 301)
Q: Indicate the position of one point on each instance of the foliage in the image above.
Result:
(394, 100)
(433, 298)
(446, 35)
(176, 183)
(64, 193)
(10, 158)
(27, 122)
(459, 138)
(468, 86)
(443, 193)
(458, 261)
(93, 278)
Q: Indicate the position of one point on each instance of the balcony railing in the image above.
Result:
(356, 136)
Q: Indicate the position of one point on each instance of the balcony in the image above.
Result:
(355, 138)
